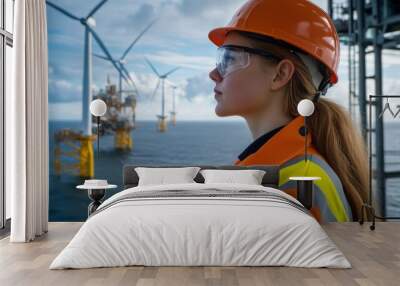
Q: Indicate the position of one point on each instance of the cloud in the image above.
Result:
(148, 108)
(142, 15)
(64, 91)
(65, 111)
(205, 7)
(192, 94)
(199, 86)
(68, 40)
(198, 62)
(185, 107)
(178, 21)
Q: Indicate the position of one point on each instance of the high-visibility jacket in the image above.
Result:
(286, 149)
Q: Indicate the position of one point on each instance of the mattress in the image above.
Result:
(201, 225)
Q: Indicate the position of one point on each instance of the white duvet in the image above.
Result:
(200, 231)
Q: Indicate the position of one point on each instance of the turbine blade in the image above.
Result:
(155, 90)
(101, 57)
(129, 81)
(132, 83)
(171, 71)
(137, 39)
(97, 7)
(103, 47)
(126, 72)
(124, 77)
(152, 67)
(65, 12)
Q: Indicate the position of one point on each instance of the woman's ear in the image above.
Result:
(283, 73)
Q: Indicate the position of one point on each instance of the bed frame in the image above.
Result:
(130, 178)
(271, 178)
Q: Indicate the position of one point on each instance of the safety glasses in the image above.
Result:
(231, 58)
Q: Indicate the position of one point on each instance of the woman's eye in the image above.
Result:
(229, 60)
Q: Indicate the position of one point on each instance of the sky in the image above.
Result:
(178, 38)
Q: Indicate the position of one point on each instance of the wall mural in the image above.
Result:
(149, 61)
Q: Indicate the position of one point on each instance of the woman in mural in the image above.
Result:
(272, 55)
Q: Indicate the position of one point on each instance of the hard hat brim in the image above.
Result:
(218, 36)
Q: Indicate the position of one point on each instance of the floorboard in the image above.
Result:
(374, 255)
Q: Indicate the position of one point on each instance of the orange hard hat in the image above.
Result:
(299, 23)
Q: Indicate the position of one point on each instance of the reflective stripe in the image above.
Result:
(318, 201)
(329, 186)
(332, 175)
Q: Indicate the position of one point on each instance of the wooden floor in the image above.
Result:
(374, 255)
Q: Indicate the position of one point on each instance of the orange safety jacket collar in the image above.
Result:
(284, 145)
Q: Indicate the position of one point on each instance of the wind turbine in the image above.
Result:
(88, 23)
(121, 62)
(173, 112)
(162, 123)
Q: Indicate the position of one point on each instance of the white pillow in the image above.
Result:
(161, 176)
(249, 177)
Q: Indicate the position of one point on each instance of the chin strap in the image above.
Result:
(322, 89)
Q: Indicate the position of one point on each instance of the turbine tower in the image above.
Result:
(89, 24)
(162, 123)
(173, 112)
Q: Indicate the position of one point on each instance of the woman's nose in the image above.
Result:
(215, 76)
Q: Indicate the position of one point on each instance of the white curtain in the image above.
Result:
(27, 124)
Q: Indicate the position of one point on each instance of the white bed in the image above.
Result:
(206, 230)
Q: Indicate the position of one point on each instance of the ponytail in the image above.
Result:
(343, 147)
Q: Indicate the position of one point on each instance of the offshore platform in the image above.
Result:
(120, 117)
(74, 151)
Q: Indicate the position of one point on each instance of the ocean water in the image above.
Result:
(214, 143)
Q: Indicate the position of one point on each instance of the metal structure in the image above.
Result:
(368, 206)
(73, 156)
(72, 153)
(368, 27)
(173, 112)
(162, 122)
(119, 119)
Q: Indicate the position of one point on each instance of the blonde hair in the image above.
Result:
(333, 133)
